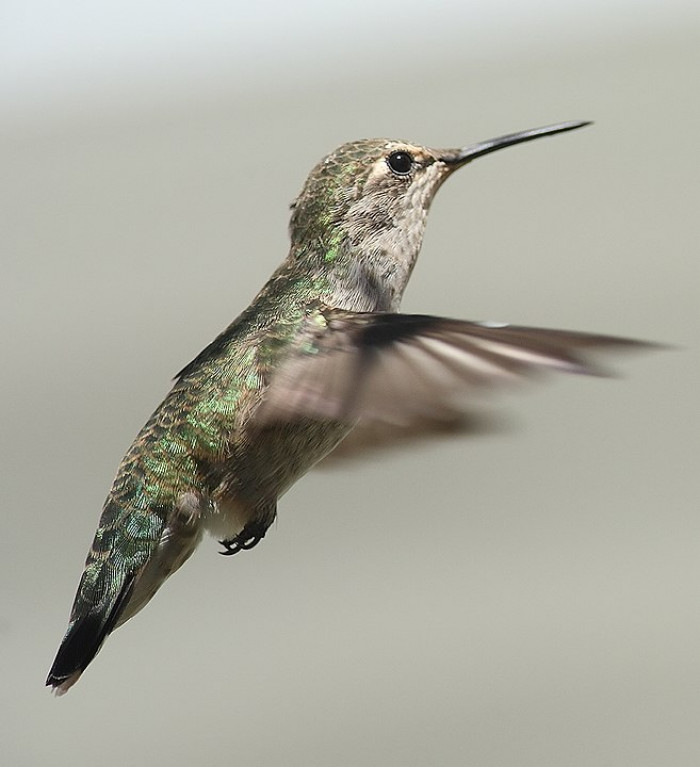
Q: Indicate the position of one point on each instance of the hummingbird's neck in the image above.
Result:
(363, 263)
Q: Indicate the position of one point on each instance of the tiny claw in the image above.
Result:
(244, 541)
(231, 547)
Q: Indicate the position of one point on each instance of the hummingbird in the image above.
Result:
(321, 349)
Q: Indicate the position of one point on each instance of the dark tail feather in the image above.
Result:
(83, 640)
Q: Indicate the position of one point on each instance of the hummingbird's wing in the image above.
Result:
(402, 368)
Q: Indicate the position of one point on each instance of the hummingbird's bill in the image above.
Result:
(462, 156)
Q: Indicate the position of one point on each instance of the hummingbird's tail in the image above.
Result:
(134, 551)
(86, 633)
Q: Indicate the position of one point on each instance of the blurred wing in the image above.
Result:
(402, 368)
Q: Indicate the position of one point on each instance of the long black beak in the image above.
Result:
(457, 157)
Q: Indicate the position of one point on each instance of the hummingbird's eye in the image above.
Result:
(400, 162)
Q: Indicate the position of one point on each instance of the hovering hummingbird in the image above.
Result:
(321, 348)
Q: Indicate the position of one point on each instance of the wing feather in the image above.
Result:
(400, 368)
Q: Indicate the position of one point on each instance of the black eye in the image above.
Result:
(400, 162)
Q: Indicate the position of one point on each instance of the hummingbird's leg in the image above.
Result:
(251, 534)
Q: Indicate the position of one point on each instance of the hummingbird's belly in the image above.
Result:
(264, 467)
(296, 448)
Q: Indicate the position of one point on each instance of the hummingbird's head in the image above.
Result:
(367, 187)
(375, 189)
(362, 212)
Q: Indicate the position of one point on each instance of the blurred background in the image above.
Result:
(527, 596)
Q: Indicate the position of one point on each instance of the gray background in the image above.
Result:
(528, 596)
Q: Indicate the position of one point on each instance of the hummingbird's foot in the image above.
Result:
(249, 537)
